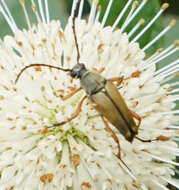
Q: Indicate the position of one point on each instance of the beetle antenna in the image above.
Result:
(37, 65)
(74, 15)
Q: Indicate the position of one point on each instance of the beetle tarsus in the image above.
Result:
(57, 124)
(117, 79)
(143, 140)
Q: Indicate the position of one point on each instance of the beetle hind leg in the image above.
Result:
(116, 140)
(136, 116)
(143, 140)
(113, 136)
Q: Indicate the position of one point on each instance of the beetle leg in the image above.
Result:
(143, 140)
(117, 79)
(135, 115)
(113, 136)
(74, 115)
(120, 79)
(116, 140)
(70, 94)
(99, 71)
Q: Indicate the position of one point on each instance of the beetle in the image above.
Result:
(103, 93)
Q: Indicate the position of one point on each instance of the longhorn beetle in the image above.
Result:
(102, 92)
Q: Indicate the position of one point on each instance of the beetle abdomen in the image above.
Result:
(110, 104)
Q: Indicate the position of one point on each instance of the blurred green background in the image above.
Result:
(60, 9)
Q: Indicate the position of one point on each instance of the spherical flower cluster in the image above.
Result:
(81, 154)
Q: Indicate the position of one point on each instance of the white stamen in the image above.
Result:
(160, 58)
(129, 173)
(169, 78)
(153, 57)
(171, 181)
(161, 131)
(144, 187)
(73, 7)
(174, 84)
(34, 8)
(121, 14)
(161, 52)
(47, 11)
(134, 5)
(106, 13)
(9, 14)
(173, 99)
(171, 150)
(170, 72)
(177, 172)
(167, 67)
(176, 154)
(176, 140)
(175, 44)
(98, 13)
(164, 6)
(41, 11)
(159, 185)
(136, 27)
(127, 170)
(173, 127)
(169, 112)
(92, 13)
(161, 34)
(8, 20)
(134, 15)
(162, 159)
(25, 13)
(81, 9)
(174, 91)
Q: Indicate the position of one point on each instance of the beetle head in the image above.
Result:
(78, 70)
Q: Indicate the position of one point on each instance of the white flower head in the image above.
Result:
(81, 154)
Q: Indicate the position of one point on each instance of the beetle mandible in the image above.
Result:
(103, 93)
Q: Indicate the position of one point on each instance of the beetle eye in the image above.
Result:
(73, 74)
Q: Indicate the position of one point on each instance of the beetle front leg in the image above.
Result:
(74, 115)
(113, 136)
(70, 94)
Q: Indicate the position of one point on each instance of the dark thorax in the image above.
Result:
(91, 82)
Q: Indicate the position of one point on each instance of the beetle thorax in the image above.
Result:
(92, 82)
